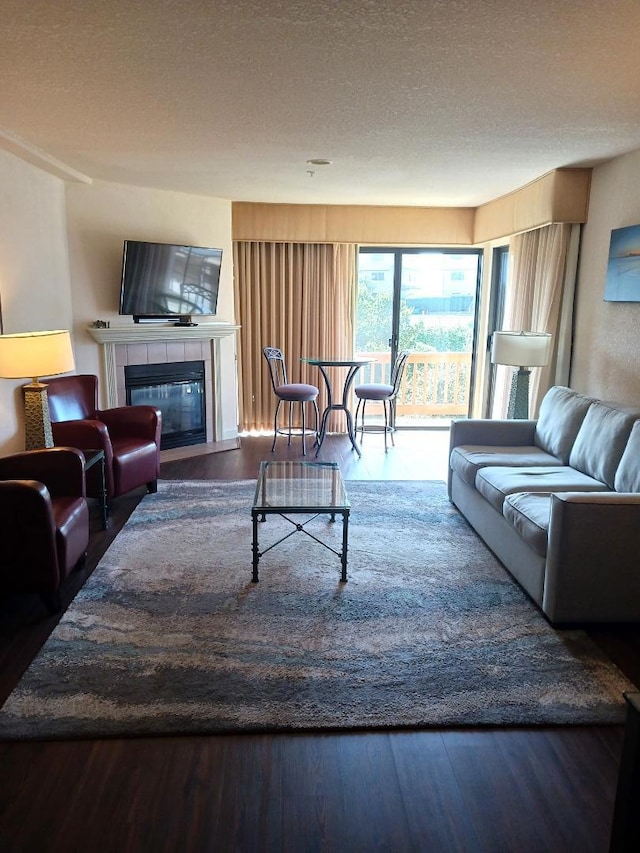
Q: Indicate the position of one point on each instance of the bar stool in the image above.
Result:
(290, 393)
(381, 393)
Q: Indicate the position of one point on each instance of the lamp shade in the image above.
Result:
(521, 349)
(34, 354)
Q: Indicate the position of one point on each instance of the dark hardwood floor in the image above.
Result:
(536, 789)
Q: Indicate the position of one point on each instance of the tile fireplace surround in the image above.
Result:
(141, 343)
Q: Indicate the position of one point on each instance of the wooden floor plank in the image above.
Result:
(433, 801)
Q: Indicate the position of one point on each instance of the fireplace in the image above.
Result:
(178, 390)
(144, 344)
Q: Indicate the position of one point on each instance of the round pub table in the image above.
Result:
(353, 365)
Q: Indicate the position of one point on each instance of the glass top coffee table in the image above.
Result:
(308, 488)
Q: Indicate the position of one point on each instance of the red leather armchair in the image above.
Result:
(44, 521)
(129, 435)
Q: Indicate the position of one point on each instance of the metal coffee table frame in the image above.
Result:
(290, 488)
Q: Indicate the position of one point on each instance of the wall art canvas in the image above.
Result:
(623, 269)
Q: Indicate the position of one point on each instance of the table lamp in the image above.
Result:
(36, 354)
(522, 350)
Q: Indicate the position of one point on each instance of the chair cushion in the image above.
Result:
(529, 513)
(468, 459)
(374, 391)
(134, 464)
(496, 483)
(72, 531)
(297, 392)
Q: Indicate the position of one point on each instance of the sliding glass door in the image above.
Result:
(424, 301)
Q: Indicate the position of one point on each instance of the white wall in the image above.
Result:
(606, 350)
(34, 271)
(100, 217)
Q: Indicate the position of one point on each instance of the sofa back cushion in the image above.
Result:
(628, 474)
(562, 412)
(601, 441)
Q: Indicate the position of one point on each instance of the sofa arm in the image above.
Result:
(484, 431)
(60, 469)
(592, 569)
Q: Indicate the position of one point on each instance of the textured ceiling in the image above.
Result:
(416, 102)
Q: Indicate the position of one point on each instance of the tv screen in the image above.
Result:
(161, 280)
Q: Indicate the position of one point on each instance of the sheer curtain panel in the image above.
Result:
(535, 303)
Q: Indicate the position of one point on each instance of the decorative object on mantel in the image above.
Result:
(36, 354)
(522, 350)
(623, 268)
(170, 636)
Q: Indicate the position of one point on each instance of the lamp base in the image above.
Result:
(519, 395)
(37, 422)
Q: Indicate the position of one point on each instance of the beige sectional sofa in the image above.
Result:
(558, 501)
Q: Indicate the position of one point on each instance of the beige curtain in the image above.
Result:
(299, 297)
(534, 302)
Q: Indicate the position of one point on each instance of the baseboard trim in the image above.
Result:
(191, 450)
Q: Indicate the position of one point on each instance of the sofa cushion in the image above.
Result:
(467, 459)
(562, 412)
(601, 441)
(627, 477)
(495, 483)
(529, 513)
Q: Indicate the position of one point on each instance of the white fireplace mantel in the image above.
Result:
(142, 332)
(114, 338)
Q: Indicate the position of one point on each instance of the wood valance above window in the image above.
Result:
(561, 196)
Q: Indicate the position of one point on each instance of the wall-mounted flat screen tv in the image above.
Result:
(168, 281)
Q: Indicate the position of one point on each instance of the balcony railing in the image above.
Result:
(434, 384)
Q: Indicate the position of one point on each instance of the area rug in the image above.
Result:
(170, 636)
